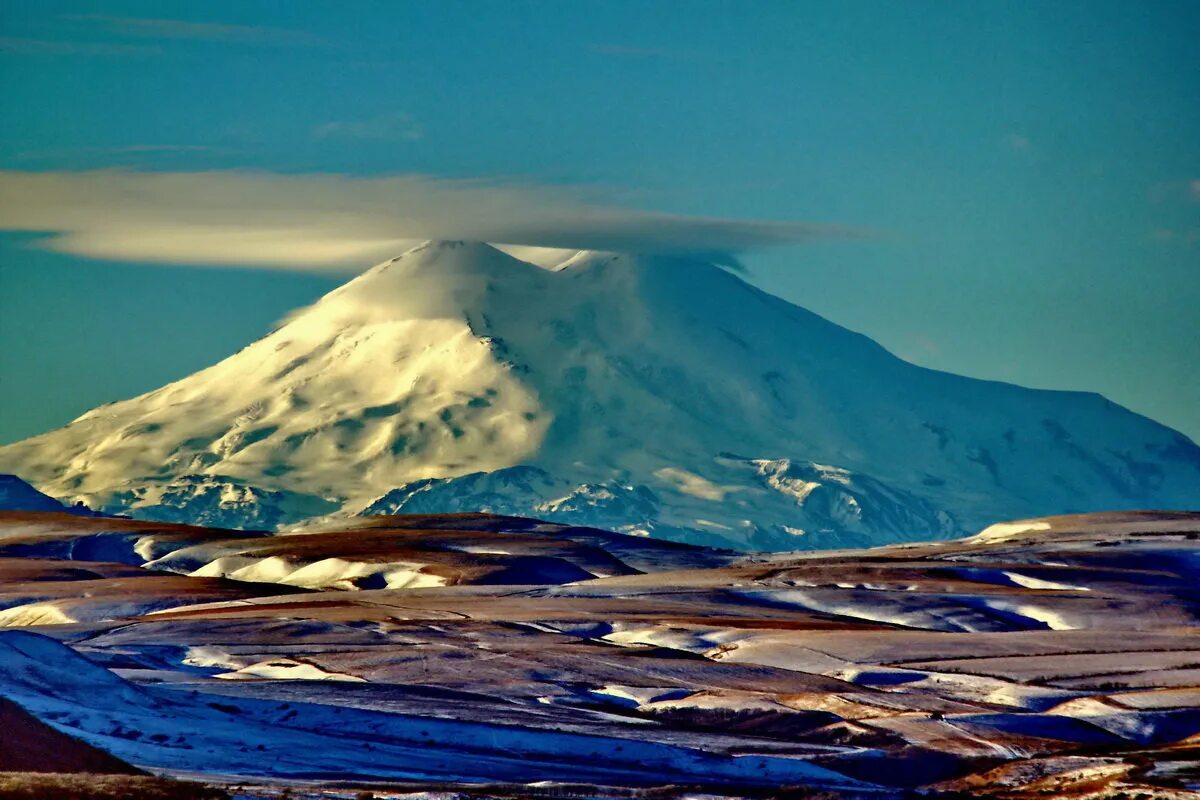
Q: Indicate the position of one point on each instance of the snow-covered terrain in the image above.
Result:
(377, 553)
(1059, 659)
(648, 394)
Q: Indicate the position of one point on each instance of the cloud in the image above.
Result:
(1186, 190)
(1182, 236)
(393, 127)
(157, 28)
(130, 151)
(1018, 142)
(631, 51)
(335, 222)
(50, 47)
(144, 36)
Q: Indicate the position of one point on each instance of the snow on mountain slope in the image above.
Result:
(217, 501)
(648, 394)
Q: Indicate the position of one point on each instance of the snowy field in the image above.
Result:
(1047, 656)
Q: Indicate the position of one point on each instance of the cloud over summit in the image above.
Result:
(337, 222)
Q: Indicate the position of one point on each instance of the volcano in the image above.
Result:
(649, 394)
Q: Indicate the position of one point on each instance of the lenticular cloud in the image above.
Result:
(336, 222)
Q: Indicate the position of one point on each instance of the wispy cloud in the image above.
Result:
(159, 28)
(633, 51)
(1186, 237)
(1174, 192)
(393, 127)
(123, 151)
(55, 47)
(104, 35)
(1018, 143)
(334, 222)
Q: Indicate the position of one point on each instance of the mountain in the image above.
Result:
(648, 394)
(17, 495)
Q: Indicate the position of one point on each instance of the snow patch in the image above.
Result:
(287, 669)
(1004, 531)
(1038, 583)
(694, 485)
(34, 614)
(328, 573)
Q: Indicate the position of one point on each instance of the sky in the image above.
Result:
(1003, 190)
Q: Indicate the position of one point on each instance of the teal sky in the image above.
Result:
(1030, 171)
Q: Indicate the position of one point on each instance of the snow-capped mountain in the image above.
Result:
(641, 393)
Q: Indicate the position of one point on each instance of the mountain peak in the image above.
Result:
(435, 279)
(465, 247)
(450, 256)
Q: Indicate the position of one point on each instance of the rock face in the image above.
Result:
(646, 394)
